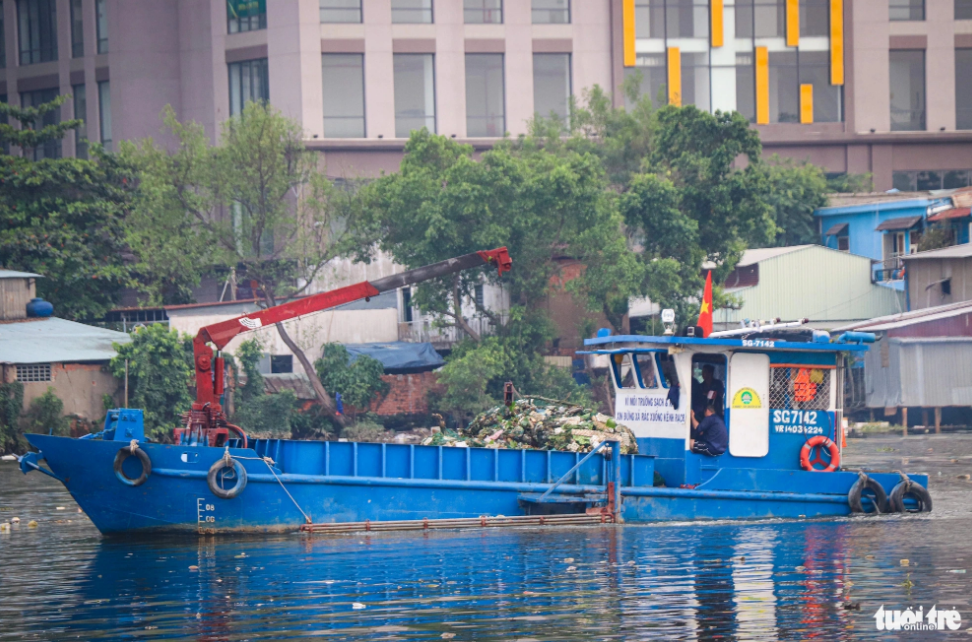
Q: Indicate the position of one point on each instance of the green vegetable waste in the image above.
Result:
(532, 424)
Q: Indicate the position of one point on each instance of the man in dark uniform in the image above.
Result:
(709, 436)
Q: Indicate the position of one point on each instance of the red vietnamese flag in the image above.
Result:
(705, 314)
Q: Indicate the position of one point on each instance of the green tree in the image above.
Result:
(254, 205)
(257, 412)
(65, 218)
(46, 415)
(359, 382)
(159, 375)
(794, 191)
(11, 403)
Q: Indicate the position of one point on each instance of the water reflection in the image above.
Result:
(720, 581)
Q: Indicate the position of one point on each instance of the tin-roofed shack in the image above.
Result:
(918, 372)
(43, 352)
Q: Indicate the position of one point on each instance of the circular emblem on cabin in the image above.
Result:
(746, 398)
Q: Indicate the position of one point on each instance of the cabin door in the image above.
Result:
(749, 378)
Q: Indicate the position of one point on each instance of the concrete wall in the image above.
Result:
(310, 332)
(80, 386)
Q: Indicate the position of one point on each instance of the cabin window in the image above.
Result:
(708, 383)
(666, 370)
(624, 373)
(646, 368)
(801, 388)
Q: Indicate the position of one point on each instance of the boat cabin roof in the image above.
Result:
(614, 344)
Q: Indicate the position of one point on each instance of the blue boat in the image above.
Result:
(780, 397)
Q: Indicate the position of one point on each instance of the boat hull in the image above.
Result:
(387, 482)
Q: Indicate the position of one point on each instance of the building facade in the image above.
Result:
(870, 86)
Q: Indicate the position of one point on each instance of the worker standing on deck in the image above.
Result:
(709, 436)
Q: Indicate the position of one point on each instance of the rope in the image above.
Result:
(270, 463)
(132, 447)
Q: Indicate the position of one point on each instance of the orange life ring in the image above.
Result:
(824, 442)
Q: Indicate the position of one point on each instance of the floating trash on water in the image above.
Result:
(448, 636)
(530, 593)
(31, 524)
(240, 556)
(60, 508)
(357, 606)
(957, 570)
(15, 520)
(800, 569)
(571, 568)
(869, 557)
(193, 568)
(905, 562)
(852, 606)
(4, 527)
(965, 476)
(568, 560)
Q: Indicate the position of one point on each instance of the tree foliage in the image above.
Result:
(259, 413)
(46, 415)
(11, 403)
(359, 382)
(794, 191)
(29, 136)
(159, 375)
(65, 219)
(255, 204)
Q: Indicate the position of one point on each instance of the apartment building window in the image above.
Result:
(963, 9)
(815, 18)
(551, 85)
(906, 9)
(649, 18)
(963, 89)
(784, 87)
(907, 90)
(249, 81)
(746, 86)
(687, 18)
(550, 12)
(80, 112)
(412, 11)
(52, 148)
(485, 96)
(3, 41)
(827, 99)
(104, 113)
(340, 10)
(651, 74)
(77, 30)
(101, 11)
(344, 103)
(414, 93)
(695, 80)
(37, 31)
(482, 11)
(246, 15)
(911, 181)
(760, 18)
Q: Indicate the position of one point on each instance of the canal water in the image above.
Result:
(776, 580)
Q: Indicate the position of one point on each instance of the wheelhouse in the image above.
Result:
(773, 390)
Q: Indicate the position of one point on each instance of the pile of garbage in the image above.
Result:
(536, 425)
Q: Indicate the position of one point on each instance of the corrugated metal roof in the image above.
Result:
(952, 252)
(836, 229)
(759, 254)
(955, 212)
(14, 274)
(904, 319)
(54, 340)
(296, 382)
(903, 223)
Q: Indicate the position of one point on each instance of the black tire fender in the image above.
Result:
(865, 483)
(917, 492)
(125, 453)
(213, 478)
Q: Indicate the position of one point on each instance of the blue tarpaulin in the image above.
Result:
(399, 357)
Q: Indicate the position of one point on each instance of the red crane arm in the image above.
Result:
(209, 370)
